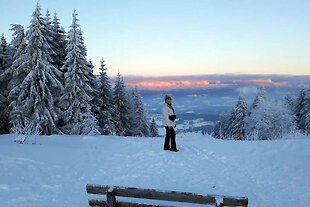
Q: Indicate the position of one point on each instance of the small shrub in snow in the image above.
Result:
(25, 131)
(153, 129)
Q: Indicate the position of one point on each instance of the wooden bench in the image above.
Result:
(112, 191)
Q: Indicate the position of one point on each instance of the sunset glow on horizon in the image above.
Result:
(159, 85)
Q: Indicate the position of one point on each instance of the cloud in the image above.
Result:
(168, 84)
(216, 81)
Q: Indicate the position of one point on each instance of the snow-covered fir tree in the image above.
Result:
(121, 113)
(307, 112)
(260, 97)
(300, 111)
(11, 79)
(13, 76)
(50, 36)
(92, 82)
(235, 128)
(140, 125)
(90, 125)
(132, 114)
(220, 128)
(75, 101)
(4, 55)
(105, 102)
(153, 129)
(56, 55)
(5, 62)
(39, 80)
(269, 120)
(59, 44)
(289, 102)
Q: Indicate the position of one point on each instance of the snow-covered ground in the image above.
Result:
(54, 171)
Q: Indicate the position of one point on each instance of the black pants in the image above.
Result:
(170, 136)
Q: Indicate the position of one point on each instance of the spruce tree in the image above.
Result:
(121, 104)
(260, 97)
(289, 102)
(5, 62)
(38, 80)
(300, 111)
(140, 126)
(153, 129)
(307, 112)
(75, 101)
(13, 76)
(105, 102)
(4, 65)
(6, 57)
(50, 37)
(59, 44)
(221, 126)
(235, 128)
(92, 82)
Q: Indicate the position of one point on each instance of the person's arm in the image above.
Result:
(166, 116)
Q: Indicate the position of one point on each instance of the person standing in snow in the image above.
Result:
(169, 123)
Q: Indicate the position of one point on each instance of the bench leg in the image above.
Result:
(111, 200)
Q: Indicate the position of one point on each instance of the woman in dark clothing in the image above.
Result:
(169, 123)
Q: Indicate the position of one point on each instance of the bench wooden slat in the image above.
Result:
(97, 189)
(167, 196)
(126, 204)
(235, 201)
(99, 203)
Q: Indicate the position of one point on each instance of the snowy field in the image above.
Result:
(54, 172)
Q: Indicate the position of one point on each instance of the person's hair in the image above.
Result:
(167, 97)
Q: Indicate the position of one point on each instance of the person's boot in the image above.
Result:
(174, 150)
(167, 148)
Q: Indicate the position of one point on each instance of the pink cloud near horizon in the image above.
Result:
(173, 84)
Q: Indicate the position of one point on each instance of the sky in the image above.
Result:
(183, 37)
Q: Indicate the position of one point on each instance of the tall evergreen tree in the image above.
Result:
(105, 102)
(153, 129)
(92, 82)
(75, 101)
(4, 55)
(59, 44)
(121, 104)
(4, 65)
(140, 125)
(39, 80)
(220, 128)
(307, 112)
(235, 128)
(289, 102)
(56, 56)
(50, 38)
(300, 111)
(5, 62)
(260, 97)
(13, 77)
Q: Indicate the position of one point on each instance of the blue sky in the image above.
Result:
(178, 37)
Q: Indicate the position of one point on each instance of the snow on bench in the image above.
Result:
(112, 191)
